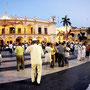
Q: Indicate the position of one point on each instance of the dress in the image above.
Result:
(79, 52)
(83, 51)
(0, 58)
(48, 54)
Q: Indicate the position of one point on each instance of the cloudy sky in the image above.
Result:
(77, 10)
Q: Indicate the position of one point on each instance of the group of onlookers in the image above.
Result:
(58, 52)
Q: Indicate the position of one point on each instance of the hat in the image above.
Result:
(34, 39)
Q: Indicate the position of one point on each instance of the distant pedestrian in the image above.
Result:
(61, 56)
(76, 49)
(48, 54)
(0, 58)
(19, 56)
(67, 50)
(88, 50)
(11, 47)
(53, 55)
(36, 61)
(79, 52)
(83, 51)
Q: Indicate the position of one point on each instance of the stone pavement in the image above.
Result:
(9, 73)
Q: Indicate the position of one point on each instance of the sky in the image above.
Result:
(77, 10)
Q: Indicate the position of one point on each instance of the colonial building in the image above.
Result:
(23, 29)
(61, 33)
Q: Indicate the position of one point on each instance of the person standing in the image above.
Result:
(11, 48)
(48, 54)
(79, 51)
(54, 50)
(61, 56)
(0, 58)
(83, 51)
(88, 50)
(76, 49)
(19, 56)
(67, 49)
(36, 52)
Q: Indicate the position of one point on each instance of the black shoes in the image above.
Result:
(18, 70)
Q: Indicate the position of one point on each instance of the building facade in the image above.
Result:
(61, 33)
(24, 29)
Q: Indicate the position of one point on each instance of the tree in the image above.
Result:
(88, 30)
(66, 22)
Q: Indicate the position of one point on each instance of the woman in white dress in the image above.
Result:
(48, 55)
(83, 52)
(79, 52)
(0, 58)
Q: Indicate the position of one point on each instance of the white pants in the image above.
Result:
(39, 72)
(79, 56)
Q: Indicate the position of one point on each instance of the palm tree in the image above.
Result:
(66, 22)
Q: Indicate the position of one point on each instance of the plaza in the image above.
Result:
(44, 45)
(74, 77)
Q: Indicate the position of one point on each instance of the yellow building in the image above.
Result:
(61, 31)
(24, 29)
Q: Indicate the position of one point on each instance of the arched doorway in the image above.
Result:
(29, 29)
(19, 40)
(1, 43)
(29, 39)
(9, 40)
(46, 39)
(39, 38)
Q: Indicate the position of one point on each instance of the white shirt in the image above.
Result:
(76, 47)
(71, 45)
(10, 46)
(83, 48)
(67, 53)
(36, 53)
(49, 49)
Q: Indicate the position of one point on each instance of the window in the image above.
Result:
(31, 30)
(45, 30)
(12, 30)
(3, 31)
(19, 30)
(39, 30)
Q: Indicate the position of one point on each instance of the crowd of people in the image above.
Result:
(53, 52)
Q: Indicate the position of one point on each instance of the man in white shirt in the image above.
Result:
(11, 47)
(36, 60)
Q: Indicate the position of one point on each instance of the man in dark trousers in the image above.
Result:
(61, 57)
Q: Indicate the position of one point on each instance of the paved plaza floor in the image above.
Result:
(74, 77)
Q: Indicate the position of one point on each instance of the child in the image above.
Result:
(0, 58)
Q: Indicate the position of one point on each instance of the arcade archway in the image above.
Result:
(1, 41)
(39, 38)
(19, 40)
(9, 40)
(46, 39)
(29, 39)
